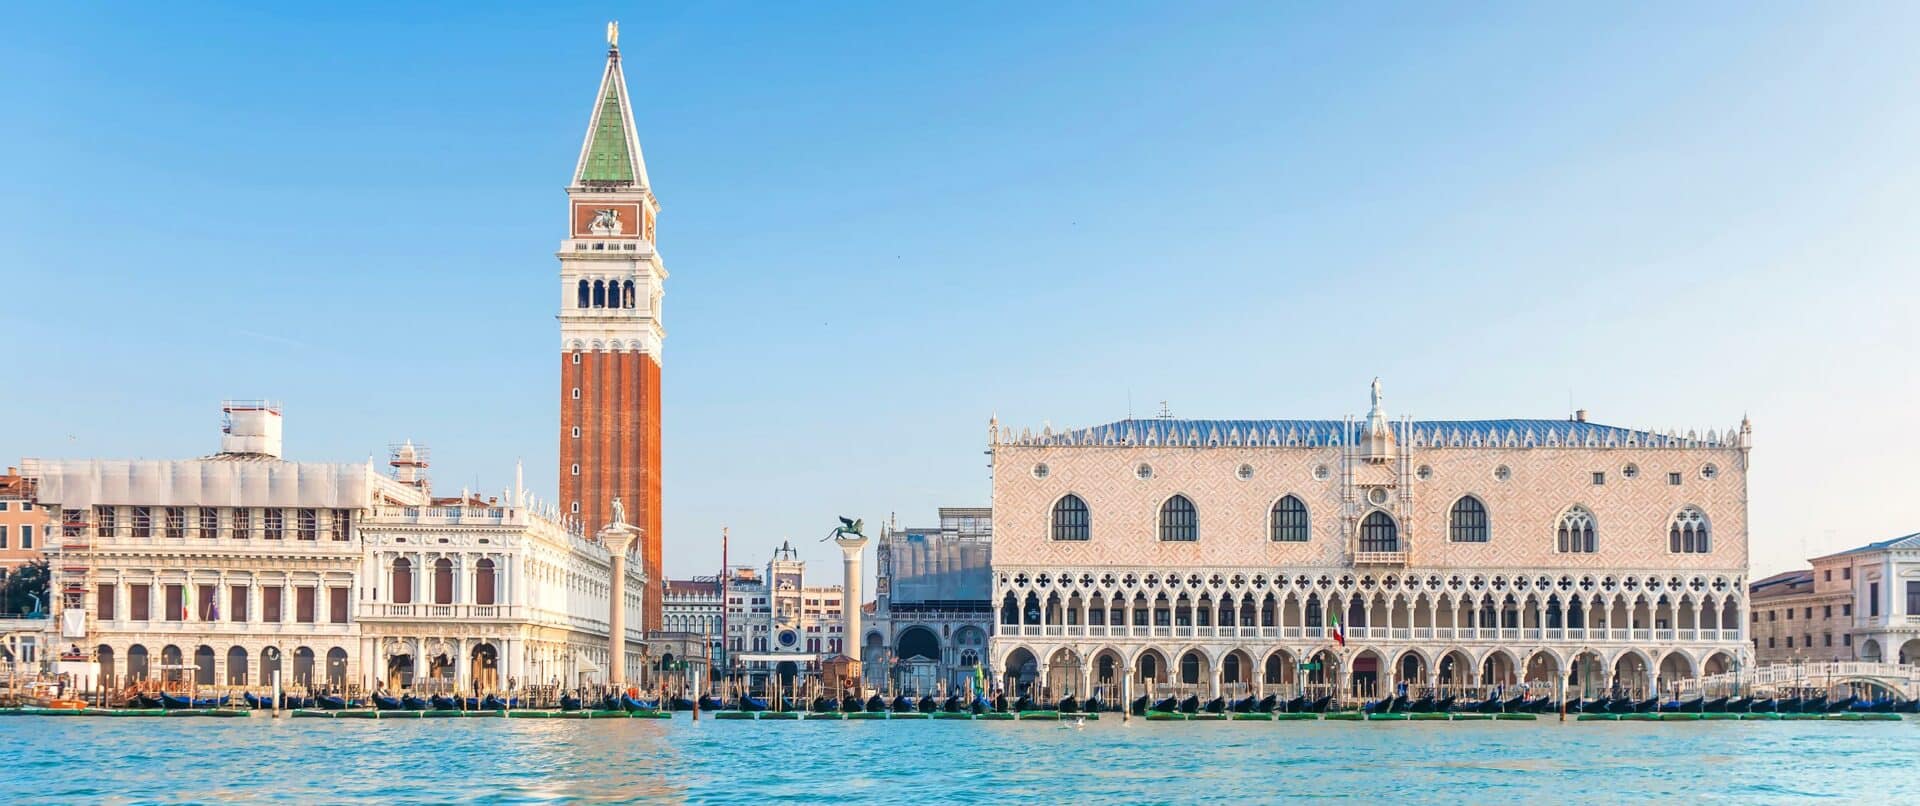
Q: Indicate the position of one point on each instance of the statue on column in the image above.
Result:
(619, 511)
(849, 527)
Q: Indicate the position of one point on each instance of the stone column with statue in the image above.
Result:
(619, 537)
(853, 543)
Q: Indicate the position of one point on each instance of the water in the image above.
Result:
(120, 760)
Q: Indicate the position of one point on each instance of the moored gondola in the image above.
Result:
(1244, 705)
(927, 704)
(1297, 705)
(951, 704)
(1267, 704)
(826, 705)
(1000, 702)
(681, 704)
(1321, 705)
(385, 702)
(493, 702)
(1714, 705)
(750, 703)
(876, 705)
(1424, 705)
(1736, 705)
(568, 702)
(1842, 705)
(1092, 705)
(1168, 705)
(1025, 703)
(1217, 705)
(708, 702)
(257, 702)
(1646, 706)
(1190, 705)
(442, 702)
(902, 705)
(1442, 705)
(980, 706)
(412, 703)
(1068, 705)
(330, 702)
(1139, 705)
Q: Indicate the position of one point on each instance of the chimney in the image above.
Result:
(250, 428)
(1580, 415)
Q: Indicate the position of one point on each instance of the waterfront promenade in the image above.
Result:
(716, 761)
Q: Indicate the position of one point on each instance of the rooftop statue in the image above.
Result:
(849, 527)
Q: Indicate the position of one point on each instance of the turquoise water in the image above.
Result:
(91, 759)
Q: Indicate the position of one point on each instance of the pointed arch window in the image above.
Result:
(1467, 521)
(1577, 532)
(1179, 522)
(1071, 521)
(1289, 520)
(1688, 534)
(1378, 532)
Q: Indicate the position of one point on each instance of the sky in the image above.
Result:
(887, 223)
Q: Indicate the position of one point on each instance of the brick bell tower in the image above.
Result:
(611, 279)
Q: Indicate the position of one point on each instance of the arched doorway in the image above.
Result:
(203, 665)
(337, 667)
(269, 665)
(484, 661)
(1151, 670)
(787, 671)
(1063, 676)
(1675, 667)
(1499, 669)
(399, 672)
(1587, 676)
(917, 643)
(440, 671)
(1540, 670)
(1365, 678)
(103, 655)
(1456, 672)
(1236, 673)
(137, 671)
(171, 670)
(237, 666)
(1910, 651)
(1279, 669)
(1020, 671)
(1870, 650)
(1323, 667)
(1631, 675)
(1717, 663)
(1107, 666)
(1411, 672)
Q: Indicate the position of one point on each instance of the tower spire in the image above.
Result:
(610, 157)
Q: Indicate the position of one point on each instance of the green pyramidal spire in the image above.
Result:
(611, 156)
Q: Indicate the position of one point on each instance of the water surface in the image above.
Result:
(121, 760)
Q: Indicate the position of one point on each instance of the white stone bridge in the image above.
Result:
(1900, 680)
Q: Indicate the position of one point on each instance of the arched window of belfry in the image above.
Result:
(599, 294)
(586, 294)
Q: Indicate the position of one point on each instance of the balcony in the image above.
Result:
(377, 611)
(1397, 559)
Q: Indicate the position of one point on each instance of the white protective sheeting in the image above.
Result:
(933, 567)
(82, 484)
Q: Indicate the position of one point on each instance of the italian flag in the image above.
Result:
(1333, 626)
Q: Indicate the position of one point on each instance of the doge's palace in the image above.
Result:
(1359, 555)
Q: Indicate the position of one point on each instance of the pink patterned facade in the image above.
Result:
(1215, 557)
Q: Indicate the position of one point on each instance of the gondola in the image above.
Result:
(412, 703)
(1766, 706)
(951, 704)
(330, 702)
(442, 702)
(708, 702)
(825, 705)
(1266, 704)
(980, 706)
(1424, 705)
(1541, 705)
(174, 701)
(1384, 705)
(902, 705)
(1139, 705)
(875, 704)
(927, 704)
(1717, 705)
(1515, 705)
(750, 703)
(1646, 706)
(1168, 705)
(1092, 705)
(1790, 705)
(257, 702)
(1000, 702)
(492, 702)
(1216, 705)
(1068, 705)
(681, 704)
(1320, 706)
(1736, 705)
(1842, 705)
(1190, 705)
(386, 703)
(1441, 706)
(1907, 707)
(1297, 705)
(568, 702)
(1244, 705)
(1025, 703)
(790, 705)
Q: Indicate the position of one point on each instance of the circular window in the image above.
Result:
(1377, 496)
(1502, 473)
(1322, 473)
(1425, 472)
(1709, 472)
(1631, 471)
(789, 638)
(1041, 470)
(1245, 472)
(1144, 471)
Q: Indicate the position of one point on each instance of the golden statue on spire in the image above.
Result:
(613, 34)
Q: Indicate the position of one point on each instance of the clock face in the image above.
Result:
(789, 638)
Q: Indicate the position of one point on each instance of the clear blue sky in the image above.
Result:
(886, 224)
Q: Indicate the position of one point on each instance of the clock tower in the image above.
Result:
(611, 279)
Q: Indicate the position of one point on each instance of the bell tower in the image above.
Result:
(611, 282)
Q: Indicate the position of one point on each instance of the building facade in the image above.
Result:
(933, 603)
(778, 626)
(1796, 619)
(611, 283)
(1861, 604)
(1233, 555)
(228, 570)
(23, 526)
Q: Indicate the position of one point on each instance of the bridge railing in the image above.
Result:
(1904, 678)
